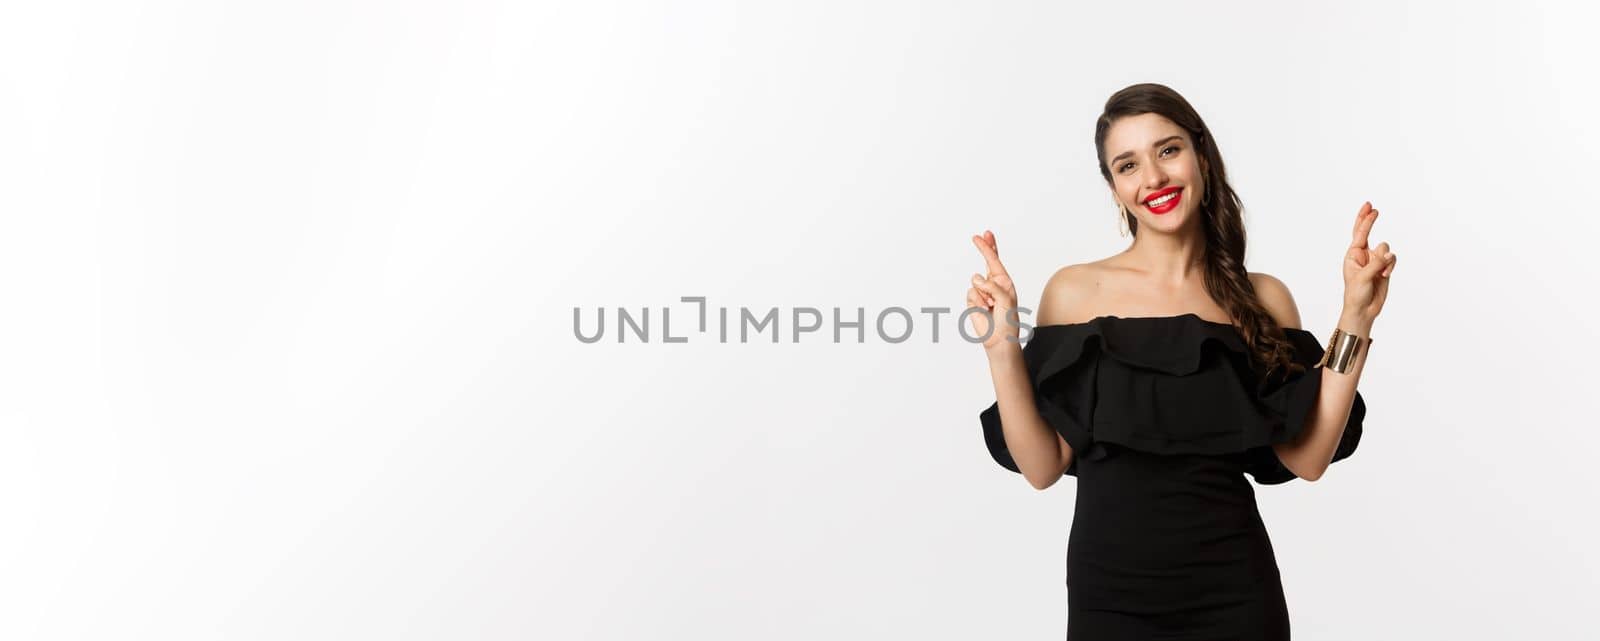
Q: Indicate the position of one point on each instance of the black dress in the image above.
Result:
(1166, 417)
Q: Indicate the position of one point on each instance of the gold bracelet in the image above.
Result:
(1342, 349)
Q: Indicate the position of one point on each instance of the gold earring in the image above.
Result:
(1122, 219)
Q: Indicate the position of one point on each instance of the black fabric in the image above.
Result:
(1169, 385)
(1169, 546)
(1166, 417)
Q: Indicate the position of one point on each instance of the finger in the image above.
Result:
(1000, 282)
(1382, 292)
(1356, 255)
(976, 298)
(1382, 249)
(988, 236)
(1364, 229)
(994, 248)
(984, 285)
(987, 286)
(1390, 269)
(1364, 220)
(990, 256)
(1375, 265)
(1361, 215)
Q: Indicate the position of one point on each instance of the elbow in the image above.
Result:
(1297, 464)
(1044, 481)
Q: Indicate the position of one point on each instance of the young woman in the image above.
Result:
(1163, 375)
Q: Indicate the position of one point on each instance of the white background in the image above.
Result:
(287, 302)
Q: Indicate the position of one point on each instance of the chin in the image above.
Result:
(1169, 221)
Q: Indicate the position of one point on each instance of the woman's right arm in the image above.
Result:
(1039, 452)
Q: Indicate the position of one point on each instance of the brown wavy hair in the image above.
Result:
(1222, 217)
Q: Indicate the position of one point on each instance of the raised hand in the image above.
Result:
(1366, 270)
(995, 293)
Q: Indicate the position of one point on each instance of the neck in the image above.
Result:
(1171, 258)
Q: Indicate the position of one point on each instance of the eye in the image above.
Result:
(1124, 168)
(1173, 148)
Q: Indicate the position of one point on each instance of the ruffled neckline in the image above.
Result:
(1109, 317)
(1110, 379)
(1172, 344)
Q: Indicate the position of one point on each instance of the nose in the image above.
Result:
(1155, 177)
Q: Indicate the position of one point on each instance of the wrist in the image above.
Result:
(1003, 351)
(1354, 322)
(1348, 343)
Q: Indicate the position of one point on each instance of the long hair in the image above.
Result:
(1226, 279)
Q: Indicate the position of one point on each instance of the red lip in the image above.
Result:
(1167, 206)
(1161, 193)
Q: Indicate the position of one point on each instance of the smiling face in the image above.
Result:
(1155, 171)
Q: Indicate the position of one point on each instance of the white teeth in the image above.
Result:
(1159, 201)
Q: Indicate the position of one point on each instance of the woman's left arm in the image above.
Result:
(1366, 287)
(1309, 455)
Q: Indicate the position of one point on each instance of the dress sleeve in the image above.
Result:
(1061, 369)
(1294, 400)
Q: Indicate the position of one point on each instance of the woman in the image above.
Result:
(1163, 375)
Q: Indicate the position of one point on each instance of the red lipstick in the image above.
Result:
(1169, 205)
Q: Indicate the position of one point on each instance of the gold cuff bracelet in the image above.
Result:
(1342, 349)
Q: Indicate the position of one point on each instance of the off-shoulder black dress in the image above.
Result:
(1165, 417)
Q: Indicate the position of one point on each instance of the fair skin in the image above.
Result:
(1161, 274)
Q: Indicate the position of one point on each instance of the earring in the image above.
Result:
(1122, 219)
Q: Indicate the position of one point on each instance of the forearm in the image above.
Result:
(1033, 444)
(1309, 455)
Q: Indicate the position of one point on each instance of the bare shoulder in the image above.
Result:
(1275, 296)
(1066, 292)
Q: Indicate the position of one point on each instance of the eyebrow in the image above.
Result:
(1159, 143)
